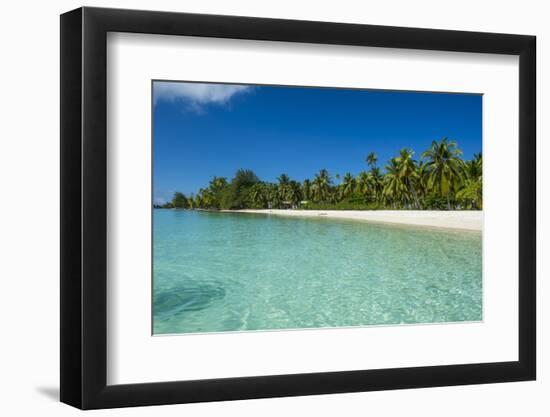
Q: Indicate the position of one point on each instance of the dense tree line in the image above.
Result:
(440, 180)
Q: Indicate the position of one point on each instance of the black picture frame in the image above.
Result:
(84, 207)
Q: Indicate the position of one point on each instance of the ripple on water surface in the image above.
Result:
(217, 272)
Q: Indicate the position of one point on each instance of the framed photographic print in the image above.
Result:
(257, 208)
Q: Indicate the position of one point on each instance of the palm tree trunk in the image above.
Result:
(416, 203)
(448, 202)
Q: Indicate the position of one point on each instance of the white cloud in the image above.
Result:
(196, 95)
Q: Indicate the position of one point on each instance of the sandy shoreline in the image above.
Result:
(458, 220)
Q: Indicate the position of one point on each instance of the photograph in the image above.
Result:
(301, 207)
(268, 209)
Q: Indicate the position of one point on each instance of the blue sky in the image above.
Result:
(206, 130)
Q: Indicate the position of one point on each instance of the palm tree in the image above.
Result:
(364, 183)
(395, 191)
(198, 200)
(444, 167)
(422, 180)
(440, 175)
(407, 167)
(377, 182)
(321, 186)
(474, 167)
(272, 194)
(306, 189)
(258, 195)
(294, 194)
(216, 187)
(217, 184)
(371, 159)
(348, 185)
(472, 193)
(284, 181)
(472, 190)
(207, 198)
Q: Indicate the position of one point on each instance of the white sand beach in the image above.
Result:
(459, 220)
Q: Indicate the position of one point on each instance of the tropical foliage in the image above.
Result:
(439, 180)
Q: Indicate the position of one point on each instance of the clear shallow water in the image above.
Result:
(218, 272)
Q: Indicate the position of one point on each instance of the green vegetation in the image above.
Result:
(440, 180)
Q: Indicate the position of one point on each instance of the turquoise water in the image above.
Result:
(218, 272)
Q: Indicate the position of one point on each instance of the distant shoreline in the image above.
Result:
(471, 220)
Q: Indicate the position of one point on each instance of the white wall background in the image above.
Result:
(29, 219)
